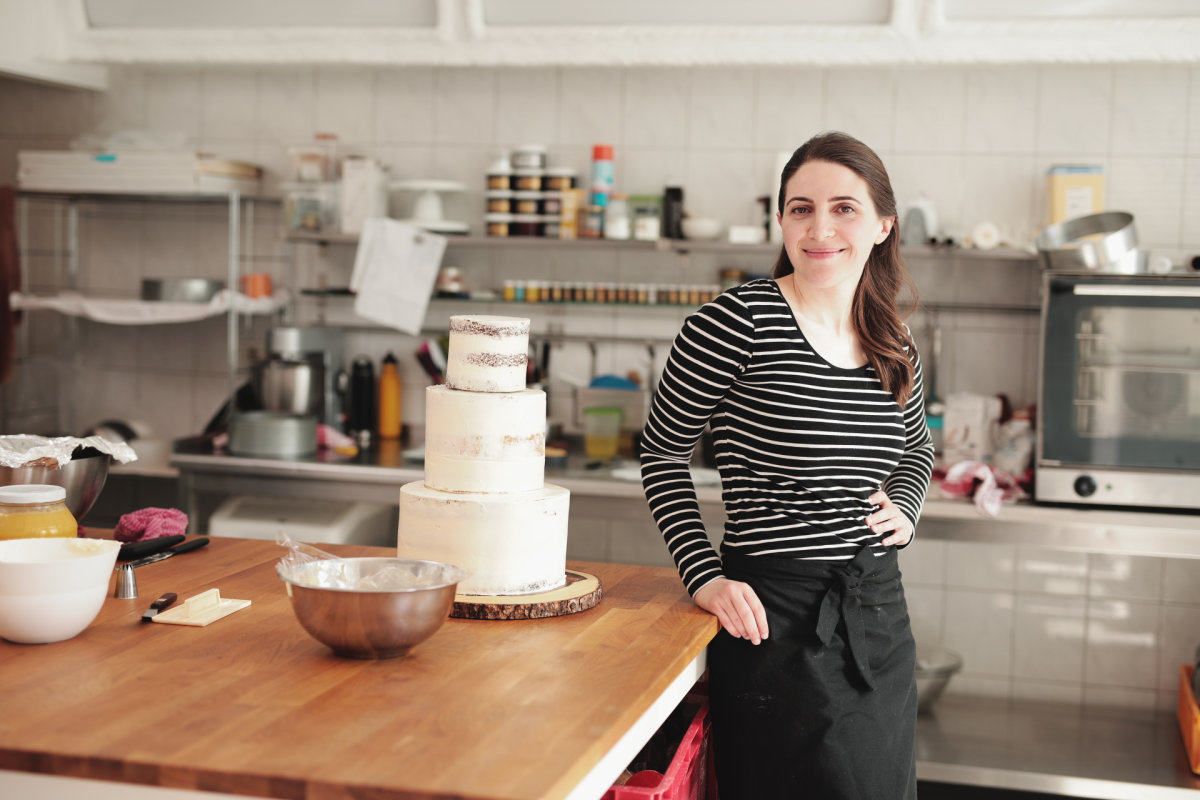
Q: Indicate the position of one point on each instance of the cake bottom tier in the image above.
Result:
(507, 543)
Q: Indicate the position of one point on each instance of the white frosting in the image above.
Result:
(485, 441)
(507, 543)
(487, 353)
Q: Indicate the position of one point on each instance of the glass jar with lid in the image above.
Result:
(35, 510)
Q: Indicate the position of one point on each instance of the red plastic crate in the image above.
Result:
(1189, 718)
(687, 776)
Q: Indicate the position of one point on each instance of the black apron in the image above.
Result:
(826, 708)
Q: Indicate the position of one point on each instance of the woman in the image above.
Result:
(812, 388)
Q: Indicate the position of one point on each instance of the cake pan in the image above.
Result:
(1096, 242)
(272, 434)
(180, 290)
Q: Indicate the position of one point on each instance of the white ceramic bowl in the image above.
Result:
(702, 228)
(51, 589)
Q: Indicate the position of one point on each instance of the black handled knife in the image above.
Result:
(158, 605)
(172, 551)
(134, 550)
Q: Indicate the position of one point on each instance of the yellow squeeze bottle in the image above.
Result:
(389, 399)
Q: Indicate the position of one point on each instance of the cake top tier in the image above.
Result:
(488, 325)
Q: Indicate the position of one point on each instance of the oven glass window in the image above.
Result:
(1121, 382)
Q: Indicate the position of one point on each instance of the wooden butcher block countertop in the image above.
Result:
(252, 705)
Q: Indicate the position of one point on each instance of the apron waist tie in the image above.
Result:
(845, 594)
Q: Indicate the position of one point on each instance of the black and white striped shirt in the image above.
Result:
(800, 444)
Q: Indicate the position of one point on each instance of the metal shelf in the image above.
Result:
(682, 246)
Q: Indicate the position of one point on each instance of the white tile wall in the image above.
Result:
(1031, 623)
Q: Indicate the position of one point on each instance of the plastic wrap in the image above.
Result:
(21, 449)
(308, 566)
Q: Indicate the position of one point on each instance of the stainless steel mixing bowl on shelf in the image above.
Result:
(935, 668)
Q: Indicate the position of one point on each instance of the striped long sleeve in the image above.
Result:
(800, 444)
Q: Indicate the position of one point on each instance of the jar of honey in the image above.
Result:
(35, 510)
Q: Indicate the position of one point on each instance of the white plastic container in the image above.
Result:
(305, 520)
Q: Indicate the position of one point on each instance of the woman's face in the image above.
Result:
(830, 224)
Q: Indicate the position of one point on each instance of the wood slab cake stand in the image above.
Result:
(581, 592)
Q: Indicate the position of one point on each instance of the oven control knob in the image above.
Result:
(1085, 486)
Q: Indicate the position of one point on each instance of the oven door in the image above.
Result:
(1120, 390)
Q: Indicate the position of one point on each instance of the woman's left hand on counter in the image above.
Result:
(891, 520)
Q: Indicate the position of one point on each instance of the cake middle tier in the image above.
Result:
(508, 544)
(485, 441)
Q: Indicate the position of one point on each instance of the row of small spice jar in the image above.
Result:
(532, 291)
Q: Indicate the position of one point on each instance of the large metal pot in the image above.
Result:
(292, 386)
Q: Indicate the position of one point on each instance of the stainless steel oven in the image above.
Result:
(1119, 390)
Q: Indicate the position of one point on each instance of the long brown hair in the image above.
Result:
(877, 320)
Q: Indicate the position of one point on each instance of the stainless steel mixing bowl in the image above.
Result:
(335, 603)
(83, 477)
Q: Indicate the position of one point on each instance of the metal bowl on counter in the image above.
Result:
(935, 668)
(83, 477)
(371, 607)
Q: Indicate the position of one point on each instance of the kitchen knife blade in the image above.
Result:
(176, 550)
(158, 605)
(135, 550)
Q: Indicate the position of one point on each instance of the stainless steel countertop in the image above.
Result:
(1067, 750)
(375, 475)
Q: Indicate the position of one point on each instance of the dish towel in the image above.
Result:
(150, 523)
(395, 267)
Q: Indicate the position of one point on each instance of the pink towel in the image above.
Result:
(150, 523)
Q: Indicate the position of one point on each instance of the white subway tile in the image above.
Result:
(286, 106)
(789, 108)
(862, 103)
(999, 115)
(527, 108)
(930, 104)
(1049, 638)
(173, 105)
(1122, 644)
(999, 189)
(590, 107)
(1193, 119)
(123, 106)
(344, 104)
(926, 612)
(464, 106)
(1150, 188)
(649, 170)
(228, 105)
(979, 625)
(404, 106)
(1150, 110)
(721, 184)
(1181, 581)
(1075, 110)
(980, 566)
(923, 562)
(656, 108)
(937, 177)
(1052, 572)
(1125, 577)
(1180, 625)
(1190, 237)
(721, 109)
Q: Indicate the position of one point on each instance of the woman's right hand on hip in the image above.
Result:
(736, 606)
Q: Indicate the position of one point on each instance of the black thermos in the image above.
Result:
(672, 223)
(362, 400)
